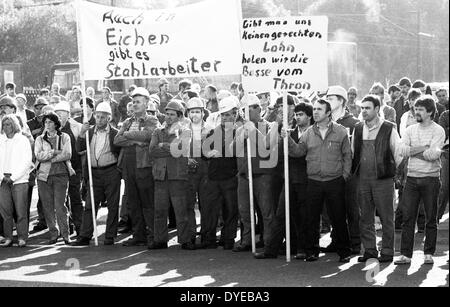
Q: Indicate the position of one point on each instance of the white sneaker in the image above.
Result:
(402, 260)
(2, 239)
(22, 243)
(428, 259)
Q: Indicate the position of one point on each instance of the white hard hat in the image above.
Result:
(250, 100)
(195, 103)
(337, 90)
(223, 94)
(104, 107)
(62, 106)
(228, 104)
(140, 91)
(151, 106)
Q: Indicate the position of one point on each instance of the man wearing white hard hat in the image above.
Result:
(134, 138)
(263, 170)
(222, 182)
(197, 167)
(337, 97)
(105, 175)
(73, 129)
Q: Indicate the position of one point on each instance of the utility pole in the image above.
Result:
(419, 52)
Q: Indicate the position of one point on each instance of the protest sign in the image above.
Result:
(200, 39)
(285, 54)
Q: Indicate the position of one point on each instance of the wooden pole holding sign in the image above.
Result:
(88, 149)
(250, 184)
(286, 177)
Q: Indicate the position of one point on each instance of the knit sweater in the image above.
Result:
(432, 136)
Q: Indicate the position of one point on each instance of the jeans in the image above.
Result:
(416, 189)
(377, 195)
(176, 192)
(53, 195)
(106, 186)
(14, 197)
(221, 194)
(333, 193)
(262, 191)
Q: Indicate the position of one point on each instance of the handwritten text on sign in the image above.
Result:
(285, 54)
(187, 41)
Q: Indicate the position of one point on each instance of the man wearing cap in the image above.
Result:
(222, 182)
(337, 97)
(136, 165)
(401, 105)
(105, 175)
(73, 129)
(352, 107)
(24, 114)
(163, 94)
(124, 100)
(329, 160)
(263, 168)
(197, 167)
(169, 148)
(108, 98)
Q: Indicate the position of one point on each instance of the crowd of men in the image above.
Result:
(347, 158)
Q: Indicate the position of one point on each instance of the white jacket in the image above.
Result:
(18, 152)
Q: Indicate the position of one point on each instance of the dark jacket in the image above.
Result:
(166, 166)
(36, 127)
(297, 166)
(138, 139)
(384, 159)
(30, 114)
(348, 121)
(112, 134)
(75, 158)
(401, 106)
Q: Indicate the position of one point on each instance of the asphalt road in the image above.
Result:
(41, 265)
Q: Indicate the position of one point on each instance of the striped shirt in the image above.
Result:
(432, 136)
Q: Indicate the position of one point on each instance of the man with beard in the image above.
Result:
(425, 141)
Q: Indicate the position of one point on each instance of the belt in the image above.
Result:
(104, 167)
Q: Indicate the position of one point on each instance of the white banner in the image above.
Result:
(201, 39)
(285, 54)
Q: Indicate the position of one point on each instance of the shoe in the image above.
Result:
(300, 256)
(402, 260)
(155, 245)
(7, 243)
(134, 242)
(124, 229)
(242, 248)
(344, 259)
(264, 256)
(108, 242)
(22, 243)
(312, 258)
(329, 249)
(188, 246)
(385, 259)
(81, 242)
(39, 227)
(52, 241)
(428, 259)
(228, 246)
(366, 257)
